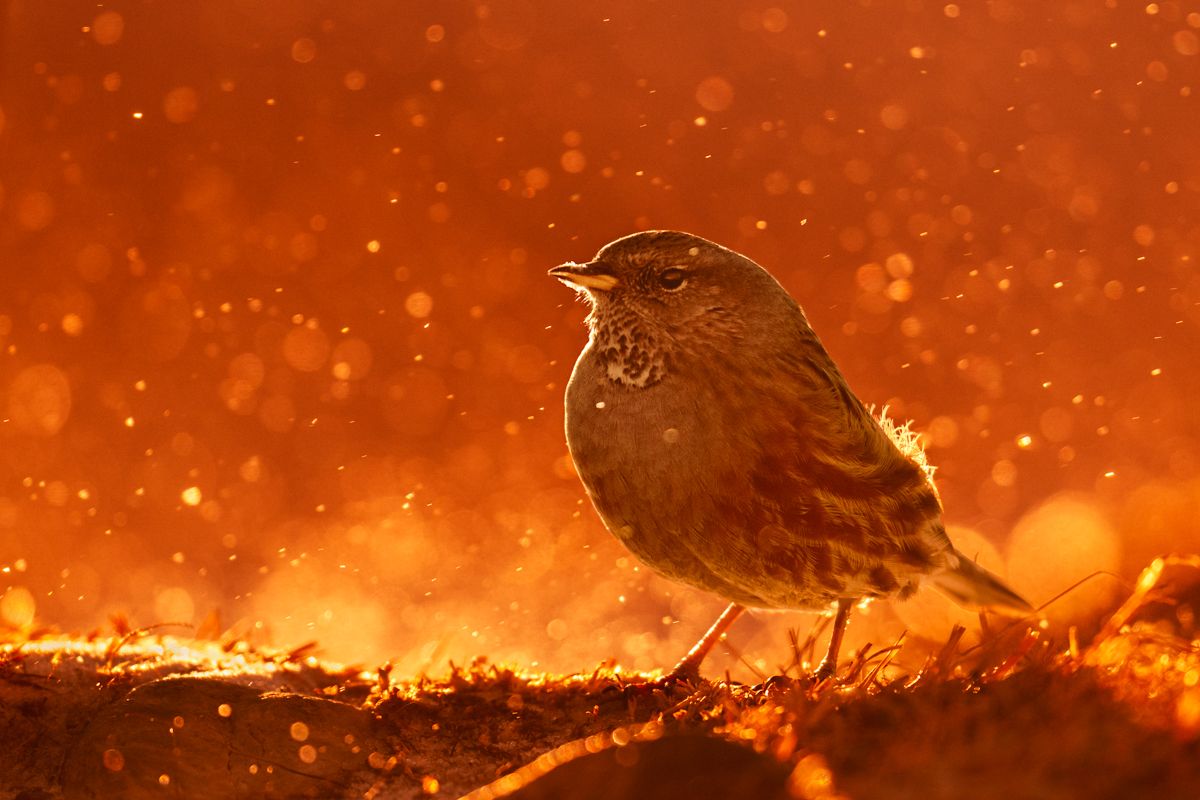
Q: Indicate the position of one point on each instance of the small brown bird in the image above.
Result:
(719, 442)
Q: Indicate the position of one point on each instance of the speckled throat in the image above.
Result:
(632, 353)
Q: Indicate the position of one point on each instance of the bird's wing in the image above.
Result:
(831, 504)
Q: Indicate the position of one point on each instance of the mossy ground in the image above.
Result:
(1022, 715)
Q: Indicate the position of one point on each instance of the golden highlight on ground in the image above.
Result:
(1016, 715)
(282, 379)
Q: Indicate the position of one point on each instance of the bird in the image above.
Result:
(720, 443)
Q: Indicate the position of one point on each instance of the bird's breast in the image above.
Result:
(643, 453)
(641, 431)
(669, 469)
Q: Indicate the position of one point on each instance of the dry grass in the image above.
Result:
(1020, 715)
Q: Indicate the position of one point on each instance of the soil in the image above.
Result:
(1023, 715)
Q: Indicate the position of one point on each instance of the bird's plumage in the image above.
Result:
(720, 443)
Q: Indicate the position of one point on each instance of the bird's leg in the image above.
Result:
(828, 666)
(688, 667)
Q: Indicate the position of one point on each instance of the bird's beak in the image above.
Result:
(592, 275)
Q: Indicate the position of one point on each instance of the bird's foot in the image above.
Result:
(676, 682)
(660, 694)
(776, 684)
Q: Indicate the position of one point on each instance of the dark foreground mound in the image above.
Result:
(1017, 717)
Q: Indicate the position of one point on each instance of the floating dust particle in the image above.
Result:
(714, 93)
(774, 20)
(899, 290)
(536, 179)
(72, 324)
(306, 348)
(1004, 473)
(573, 161)
(899, 265)
(114, 761)
(298, 731)
(894, 117)
(18, 607)
(108, 27)
(1187, 43)
(304, 50)
(419, 305)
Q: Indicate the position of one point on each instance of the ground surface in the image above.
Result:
(140, 716)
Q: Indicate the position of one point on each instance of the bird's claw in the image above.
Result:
(671, 685)
(677, 680)
(775, 685)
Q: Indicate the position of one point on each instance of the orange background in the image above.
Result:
(276, 340)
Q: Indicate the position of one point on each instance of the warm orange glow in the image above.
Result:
(17, 607)
(1058, 543)
(277, 347)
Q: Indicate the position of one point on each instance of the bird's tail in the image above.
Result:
(973, 587)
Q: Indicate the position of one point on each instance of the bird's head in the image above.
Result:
(673, 282)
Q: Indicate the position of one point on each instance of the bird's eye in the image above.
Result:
(672, 279)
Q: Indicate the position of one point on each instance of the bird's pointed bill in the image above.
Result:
(585, 276)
